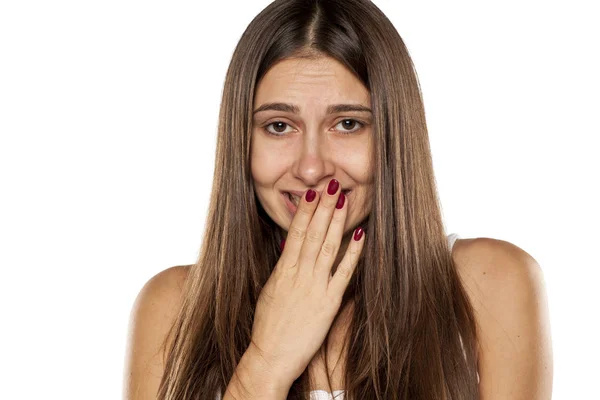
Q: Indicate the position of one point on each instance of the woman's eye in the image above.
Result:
(279, 127)
(352, 124)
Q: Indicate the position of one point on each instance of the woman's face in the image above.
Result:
(301, 141)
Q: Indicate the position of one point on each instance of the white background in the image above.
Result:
(108, 117)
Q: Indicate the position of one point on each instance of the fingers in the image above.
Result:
(318, 228)
(298, 228)
(343, 274)
(333, 239)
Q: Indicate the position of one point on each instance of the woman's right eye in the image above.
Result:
(279, 127)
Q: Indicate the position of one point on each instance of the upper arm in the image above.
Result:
(153, 313)
(506, 288)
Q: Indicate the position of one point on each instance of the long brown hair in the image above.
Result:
(413, 333)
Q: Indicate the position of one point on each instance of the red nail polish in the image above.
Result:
(310, 195)
(333, 186)
(358, 233)
(282, 244)
(340, 202)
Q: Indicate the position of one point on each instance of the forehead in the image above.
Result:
(322, 80)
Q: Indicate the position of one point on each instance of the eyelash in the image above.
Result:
(362, 124)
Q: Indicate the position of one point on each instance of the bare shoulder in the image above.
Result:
(153, 313)
(492, 264)
(506, 287)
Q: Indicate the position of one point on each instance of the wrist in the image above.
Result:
(254, 378)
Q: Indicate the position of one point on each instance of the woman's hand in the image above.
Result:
(298, 304)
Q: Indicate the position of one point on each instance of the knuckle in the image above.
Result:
(305, 210)
(345, 270)
(296, 233)
(313, 236)
(338, 217)
(328, 248)
(285, 272)
(330, 203)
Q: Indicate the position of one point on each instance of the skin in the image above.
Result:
(313, 146)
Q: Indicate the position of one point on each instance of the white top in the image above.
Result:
(323, 394)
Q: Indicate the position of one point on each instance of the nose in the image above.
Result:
(313, 161)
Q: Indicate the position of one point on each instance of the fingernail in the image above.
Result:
(282, 244)
(358, 232)
(340, 202)
(310, 195)
(333, 186)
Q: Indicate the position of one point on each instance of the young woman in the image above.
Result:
(325, 267)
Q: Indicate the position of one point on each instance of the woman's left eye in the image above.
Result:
(353, 123)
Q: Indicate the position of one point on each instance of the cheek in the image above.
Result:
(265, 164)
(354, 156)
(357, 164)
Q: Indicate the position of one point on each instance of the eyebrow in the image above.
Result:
(331, 109)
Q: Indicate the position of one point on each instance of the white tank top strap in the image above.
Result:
(452, 239)
(324, 395)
